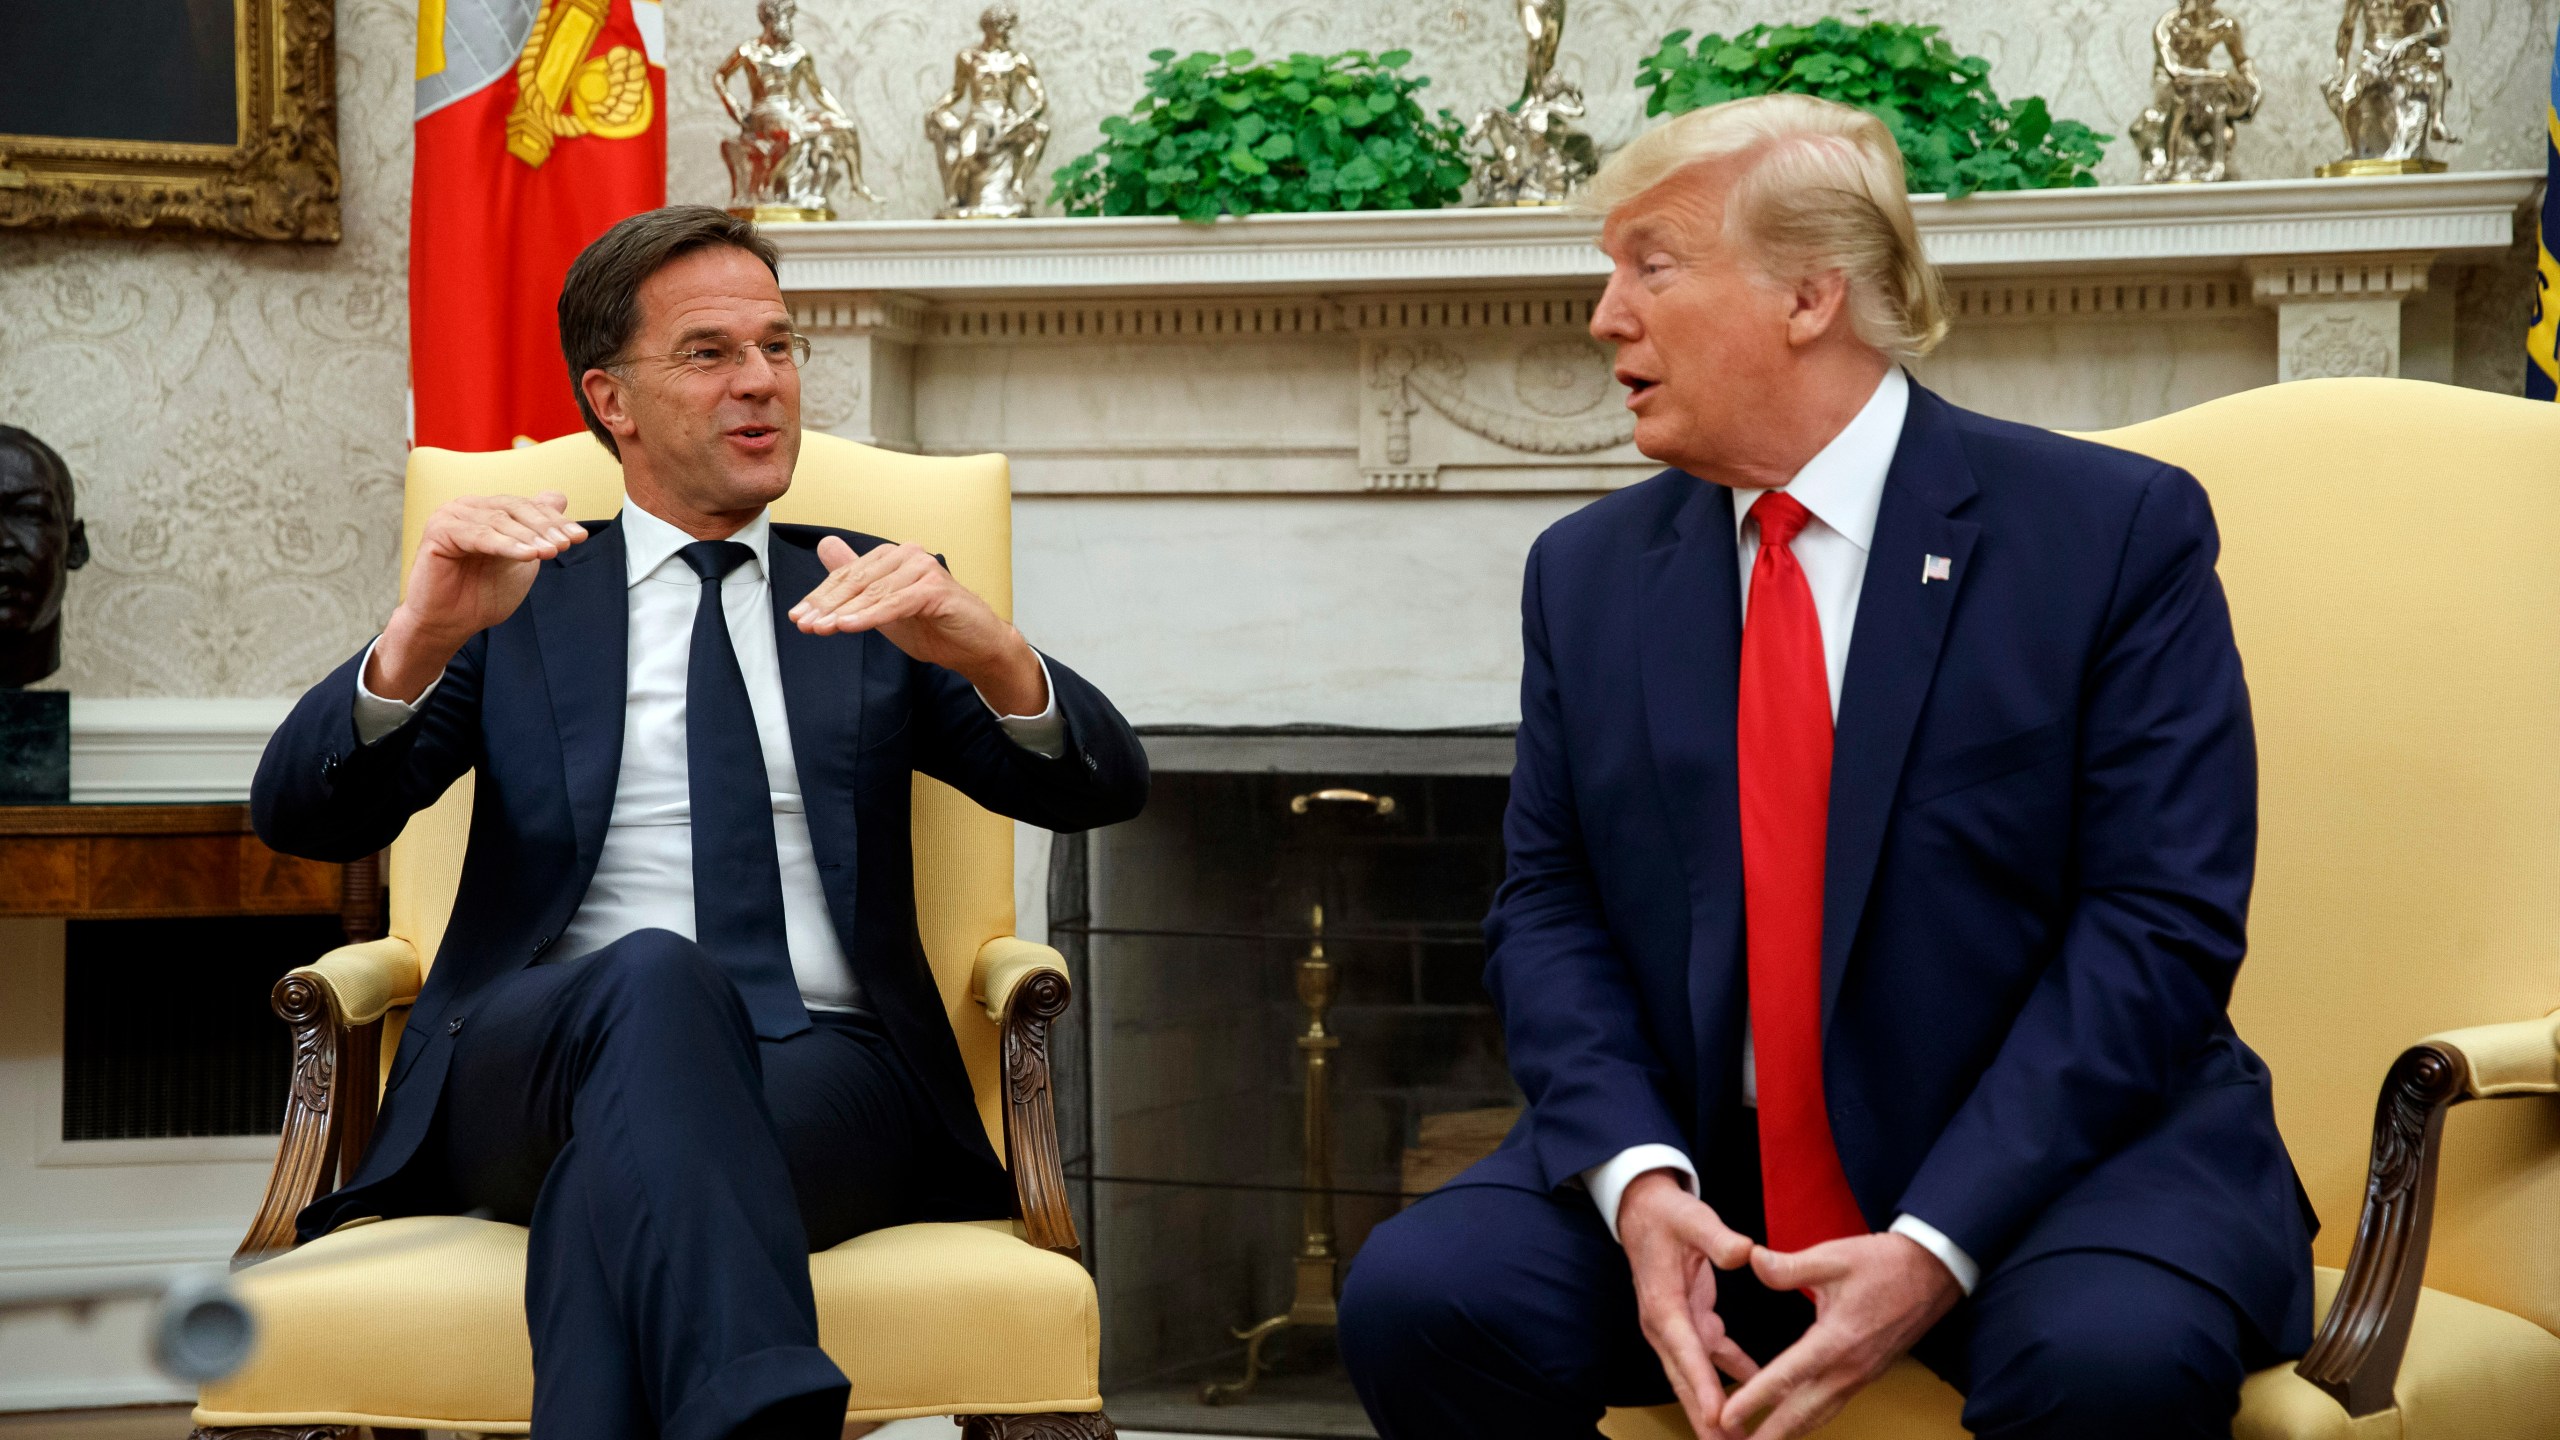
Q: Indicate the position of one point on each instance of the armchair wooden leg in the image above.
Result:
(1089, 1425)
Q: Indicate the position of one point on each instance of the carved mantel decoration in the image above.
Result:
(1531, 392)
(276, 180)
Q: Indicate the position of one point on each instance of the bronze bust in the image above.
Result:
(41, 542)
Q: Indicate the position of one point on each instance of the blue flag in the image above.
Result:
(2542, 342)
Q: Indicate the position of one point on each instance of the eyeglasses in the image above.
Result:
(719, 357)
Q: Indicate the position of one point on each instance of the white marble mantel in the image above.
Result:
(1285, 469)
(2231, 285)
(2186, 227)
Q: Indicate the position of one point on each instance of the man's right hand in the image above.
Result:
(475, 563)
(1675, 1244)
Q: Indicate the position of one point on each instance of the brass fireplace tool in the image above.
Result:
(1319, 1269)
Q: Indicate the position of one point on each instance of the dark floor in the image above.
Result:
(1303, 1396)
(1301, 1407)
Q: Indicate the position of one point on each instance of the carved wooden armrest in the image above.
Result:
(335, 1005)
(1024, 987)
(2356, 1355)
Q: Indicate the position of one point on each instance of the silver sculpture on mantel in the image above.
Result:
(1533, 152)
(795, 145)
(2188, 133)
(2390, 88)
(986, 131)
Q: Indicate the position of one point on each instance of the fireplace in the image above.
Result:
(1197, 948)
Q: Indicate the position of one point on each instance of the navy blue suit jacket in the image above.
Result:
(2042, 829)
(535, 706)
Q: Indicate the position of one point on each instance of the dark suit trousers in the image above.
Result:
(1494, 1312)
(676, 1173)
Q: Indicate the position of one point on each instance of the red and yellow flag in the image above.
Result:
(539, 124)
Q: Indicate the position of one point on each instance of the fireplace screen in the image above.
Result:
(1283, 1036)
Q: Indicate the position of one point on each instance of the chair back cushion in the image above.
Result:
(958, 507)
(2392, 554)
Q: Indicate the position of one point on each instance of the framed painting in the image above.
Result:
(211, 115)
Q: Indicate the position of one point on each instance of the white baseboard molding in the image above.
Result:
(63, 1253)
(54, 1153)
(46, 1393)
(167, 750)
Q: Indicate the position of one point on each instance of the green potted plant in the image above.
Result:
(1957, 136)
(1221, 135)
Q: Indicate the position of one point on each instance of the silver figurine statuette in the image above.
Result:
(1532, 152)
(794, 144)
(2390, 88)
(2188, 133)
(986, 131)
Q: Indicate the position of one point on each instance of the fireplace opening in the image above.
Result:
(1282, 1036)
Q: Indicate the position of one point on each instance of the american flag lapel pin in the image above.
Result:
(1937, 567)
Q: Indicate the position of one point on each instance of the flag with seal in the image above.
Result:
(539, 124)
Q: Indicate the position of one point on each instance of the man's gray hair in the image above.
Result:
(1823, 190)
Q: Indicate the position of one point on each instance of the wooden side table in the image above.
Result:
(128, 862)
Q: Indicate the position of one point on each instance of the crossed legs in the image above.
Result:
(676, 1173)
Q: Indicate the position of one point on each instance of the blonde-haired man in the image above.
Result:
(1869, 998)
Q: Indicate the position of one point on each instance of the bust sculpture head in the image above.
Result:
(41, 542)
(777, 17)
(996, 22)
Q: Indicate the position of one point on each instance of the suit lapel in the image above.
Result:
(1691, 638)
(1690, 648)
(1901, 627)
(582, 622)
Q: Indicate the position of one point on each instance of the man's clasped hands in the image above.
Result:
(1873, 1296)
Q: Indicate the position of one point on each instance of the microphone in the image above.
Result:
(199, 1328)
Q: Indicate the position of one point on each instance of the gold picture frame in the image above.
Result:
(278, 180)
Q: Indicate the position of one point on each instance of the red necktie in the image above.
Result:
(1782, 738)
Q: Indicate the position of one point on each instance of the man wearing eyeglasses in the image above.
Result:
(682, 1025)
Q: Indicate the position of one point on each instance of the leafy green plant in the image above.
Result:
(1956, 135)
(1221, 135)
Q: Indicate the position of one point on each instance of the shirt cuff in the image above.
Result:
(1608, 1180)
(1928, 1237)
(1041, 734)
(377, 717)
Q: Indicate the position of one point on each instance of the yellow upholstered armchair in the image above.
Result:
(418, 1323)
(2392, 554)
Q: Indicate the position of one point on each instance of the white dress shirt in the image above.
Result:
(644, 874)
(1842, 487)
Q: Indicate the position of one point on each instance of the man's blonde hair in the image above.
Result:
(1823, 190)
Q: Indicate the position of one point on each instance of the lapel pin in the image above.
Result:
(1937, 567)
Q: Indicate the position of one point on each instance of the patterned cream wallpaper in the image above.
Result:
(235, 412)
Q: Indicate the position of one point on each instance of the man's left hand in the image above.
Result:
(1874, 1296)
(905, 594)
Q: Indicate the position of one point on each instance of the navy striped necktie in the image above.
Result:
(737, 877)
